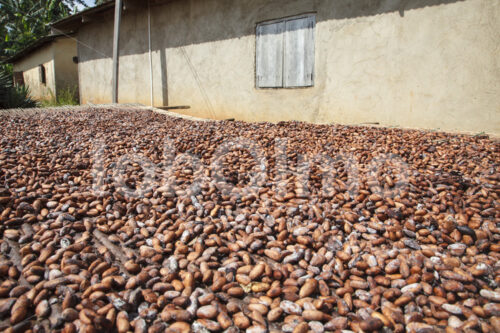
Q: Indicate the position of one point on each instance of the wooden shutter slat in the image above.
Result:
(299, 52)
(269, 67)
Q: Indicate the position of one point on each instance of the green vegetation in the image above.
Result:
(67, 96)
(13, 96)
(22, 22)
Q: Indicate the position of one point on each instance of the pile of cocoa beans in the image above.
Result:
(133, 221)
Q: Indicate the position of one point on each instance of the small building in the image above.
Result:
(47, 66)
(430, 64)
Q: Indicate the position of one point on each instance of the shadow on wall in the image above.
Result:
(182, 23)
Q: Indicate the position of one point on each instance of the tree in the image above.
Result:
(3, 33)
(24, 21)
(21, 23)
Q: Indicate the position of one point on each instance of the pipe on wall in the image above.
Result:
(150, 54)
(116, 48)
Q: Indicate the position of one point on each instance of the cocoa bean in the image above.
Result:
(411, 244)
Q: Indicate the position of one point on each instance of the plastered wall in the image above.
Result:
(31, 72)
(420, 64)
(66, 70)
(60, 70)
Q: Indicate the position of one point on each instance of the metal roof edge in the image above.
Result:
(78, 16)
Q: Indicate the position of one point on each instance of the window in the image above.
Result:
(18, 78)
(285, 52)
(43, 75)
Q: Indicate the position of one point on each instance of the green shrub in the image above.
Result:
(14, 96)
(5, 86)
(66, 96)
(20, 98)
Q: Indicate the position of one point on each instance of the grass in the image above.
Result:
(66, 96)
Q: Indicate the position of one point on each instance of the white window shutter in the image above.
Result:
(299, 52)
(269, 67)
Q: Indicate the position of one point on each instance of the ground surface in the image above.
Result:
(128, 220)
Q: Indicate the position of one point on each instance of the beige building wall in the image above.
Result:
(60, 70)
(66, 73)
(431, 64)
(29, 65)
(95, 53)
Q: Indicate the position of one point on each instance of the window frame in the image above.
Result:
(284, 20)
(18, 78)
(43, 74)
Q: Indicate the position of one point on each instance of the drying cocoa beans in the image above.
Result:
(128, 220)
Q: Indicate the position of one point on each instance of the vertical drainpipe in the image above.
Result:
(116, 48)
(150, 54)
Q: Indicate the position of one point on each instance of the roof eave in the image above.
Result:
(73, 22)
(32, 47)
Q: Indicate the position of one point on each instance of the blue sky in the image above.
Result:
(89, 3)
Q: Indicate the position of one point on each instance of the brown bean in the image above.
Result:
(42, 309)
(309, 287)
(19, 310)
(301, 328)
(241, 321)
(207, 312)
(408, 246)
(122, 322)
